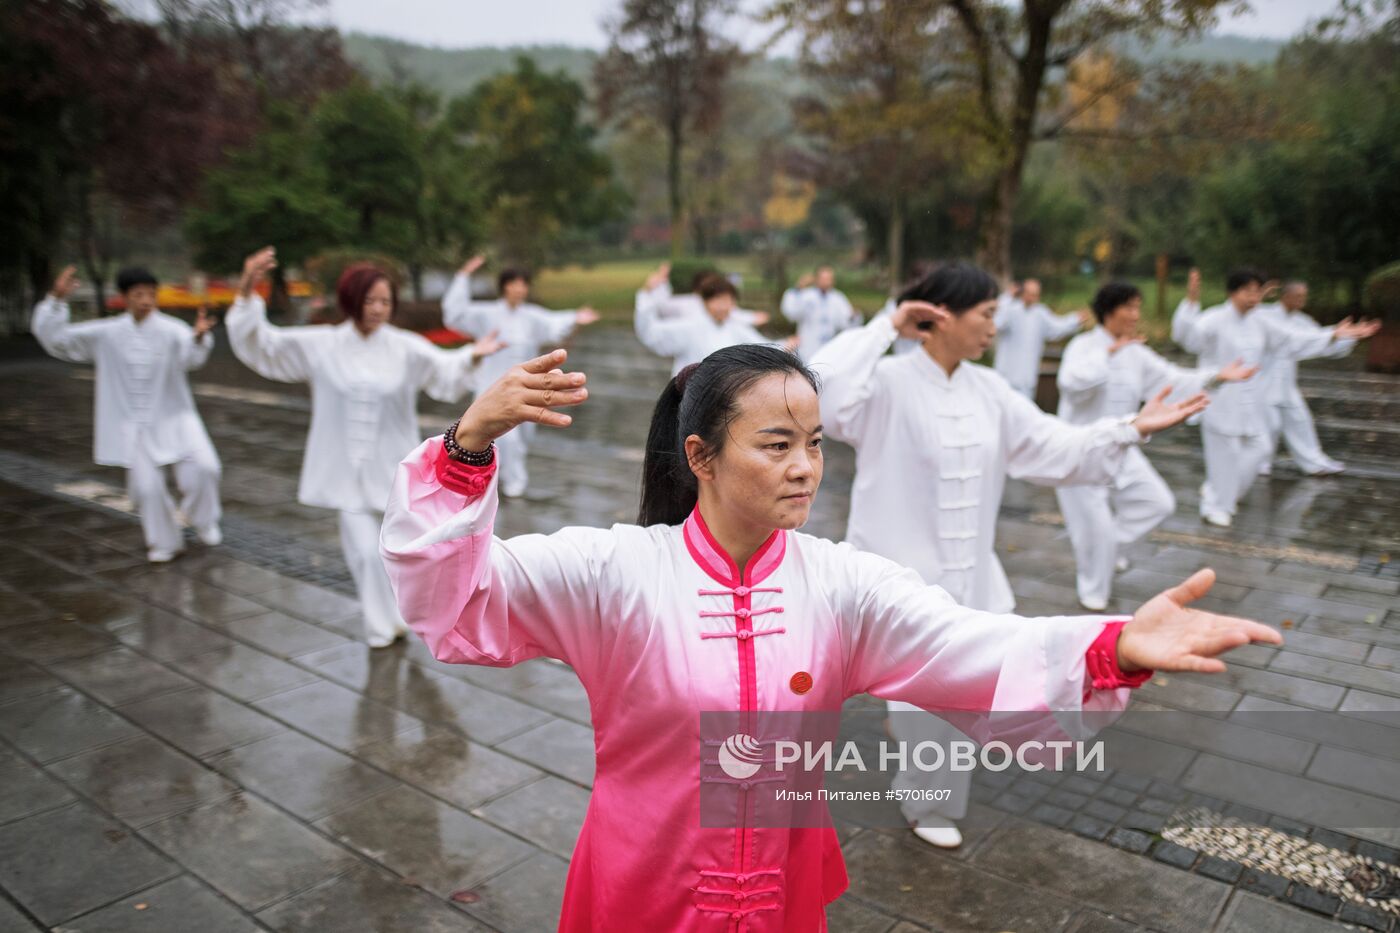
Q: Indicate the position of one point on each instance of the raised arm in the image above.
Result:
(796, 304)
(197, 342)
(1058, 326)
(447, 375)
(1186, 319)
(1084, 366)
(473, 598)
(846, 365)
(664, 337)
(52, 326)
(459, 311)
(281, 353)
(1044, 449)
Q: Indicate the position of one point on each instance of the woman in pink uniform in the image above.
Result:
(714, 602)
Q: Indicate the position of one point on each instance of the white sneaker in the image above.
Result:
(1122, 564)
(161, 556)
(210, 535)
(1332, 468)
(1093, 605)
(1218, 519)
(944, 837)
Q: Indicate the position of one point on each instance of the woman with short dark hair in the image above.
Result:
(365, 375)
(715, 613)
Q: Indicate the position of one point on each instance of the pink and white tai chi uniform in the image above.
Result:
(660, 625)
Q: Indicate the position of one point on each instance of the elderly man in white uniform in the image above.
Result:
(523, 329)
(144, 415)
(1234, 430)
(1024, 326)
(1109, 372)
(819, 310)
(1288, 412)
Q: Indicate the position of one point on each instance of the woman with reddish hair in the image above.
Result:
(365, 376)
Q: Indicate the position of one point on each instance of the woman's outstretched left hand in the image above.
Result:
(1166, 635)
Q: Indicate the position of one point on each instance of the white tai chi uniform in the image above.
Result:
(527, 330)
(688, 338)
(144, 417)
(1287, 410)
(932, 455)
(364, 419)
(1234, 429)
(1022, 333)
(1101, 519)
(819, 316)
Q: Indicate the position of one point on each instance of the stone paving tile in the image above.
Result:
(300, 774)
(524, 899)
(448, 765)
(245, 673)
(61, 723)
(1250, 913)
(97, 862)
(249, 852)
(437, 846)
(201, 722)
(25, 789)
(182, 904)
(1115, 882)
(141, 780)
(367, 900)
(946, 894)
(169, 637)
(283, 635)
(120, 676)
(549, 813)
(335, 715)
(20, 679)
(559, 746)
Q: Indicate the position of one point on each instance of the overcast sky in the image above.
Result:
(578, 22)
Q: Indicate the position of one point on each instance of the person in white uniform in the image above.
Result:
(365, 375)
(819, 310)
(936, 437)
(1024, 326)
(144, 416)
(1288, 413)
(1108, 372)
(689, 338)
(522, 329)
(1234, 430)
(690, 304)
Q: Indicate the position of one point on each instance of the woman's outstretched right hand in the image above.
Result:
(526, 393)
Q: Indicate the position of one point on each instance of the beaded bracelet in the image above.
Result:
(462, 455)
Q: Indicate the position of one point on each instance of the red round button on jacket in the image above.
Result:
(801, 682)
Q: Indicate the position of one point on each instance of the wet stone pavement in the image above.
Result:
(209, 746)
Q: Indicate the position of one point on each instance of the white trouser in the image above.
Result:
(359, 538)
(511, 450)
(197, 479)
(1232, 463)
(1294, 421)
(1102, 519)
(911, 725)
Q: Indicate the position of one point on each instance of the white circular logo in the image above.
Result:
(740, 756)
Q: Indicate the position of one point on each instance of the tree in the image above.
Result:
(1015, 52)
(271, 193)
(666, 64)
(93, 101)
(882, 100)
(534, 159)
(369, 148)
